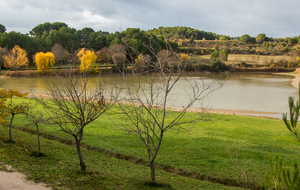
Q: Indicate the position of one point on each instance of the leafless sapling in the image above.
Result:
(147, 91)
(74, 102)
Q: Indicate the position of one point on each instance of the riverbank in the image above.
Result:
(296, 80)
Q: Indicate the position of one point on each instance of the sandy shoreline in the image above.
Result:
(296, 80)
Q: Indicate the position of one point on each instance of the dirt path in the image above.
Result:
(17, 181)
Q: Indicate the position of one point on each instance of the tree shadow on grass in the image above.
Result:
(159, 184)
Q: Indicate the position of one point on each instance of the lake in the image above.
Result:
(264, 92)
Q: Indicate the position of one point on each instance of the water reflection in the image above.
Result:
(241, 91)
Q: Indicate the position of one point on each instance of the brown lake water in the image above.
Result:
(265, 92)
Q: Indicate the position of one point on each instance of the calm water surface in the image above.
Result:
(241, 91)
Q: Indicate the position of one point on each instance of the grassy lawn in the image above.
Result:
(59, 167)
(201, 149)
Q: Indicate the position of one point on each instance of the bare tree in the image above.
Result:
(118, 55)
(3, 51)
(117, 48)
(36, 119)
(60, 53)
(104, 55)
(74, 103)
(150, 90)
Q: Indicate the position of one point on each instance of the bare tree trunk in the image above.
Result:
(152, 171)
(38, 135)
(82, 164)
(10, 126)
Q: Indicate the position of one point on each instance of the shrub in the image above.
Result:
(282, 63)
(223, 55)
(271, 61)
(244, 64)
(217, 66)
(214, 55)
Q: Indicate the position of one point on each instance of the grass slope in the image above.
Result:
(59, 168)
(201, 149)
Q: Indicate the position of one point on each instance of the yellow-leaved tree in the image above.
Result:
(44, 61)
(81, 53)
(3, 112)
(16, 58)
(8, 107)
(184, 58)
(140, 59)
(87, 60)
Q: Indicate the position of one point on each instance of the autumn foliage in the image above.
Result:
(140, 59)
(87, 60)
(6, 104)
(9, 108)
(184, 58)
(3, 98)
(16, 58)
(44, 61)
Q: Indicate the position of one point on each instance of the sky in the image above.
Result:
(275, 18)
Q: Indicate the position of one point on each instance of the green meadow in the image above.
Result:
(192, 156)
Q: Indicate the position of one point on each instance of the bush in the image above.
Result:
(282, 63)
(244, 64)
(271, 61)
(217, 66)
(214, 55)
(223, 55)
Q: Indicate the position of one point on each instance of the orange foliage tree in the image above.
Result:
(16, 58)
(8, 107)
(44, 61)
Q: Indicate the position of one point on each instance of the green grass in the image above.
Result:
(201, 150)
(59, 167)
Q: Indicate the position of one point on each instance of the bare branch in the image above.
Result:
(147, 91)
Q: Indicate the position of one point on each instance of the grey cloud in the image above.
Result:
(276, 18)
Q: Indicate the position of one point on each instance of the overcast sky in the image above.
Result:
(275, 18)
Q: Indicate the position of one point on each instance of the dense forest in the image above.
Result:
(43, 37)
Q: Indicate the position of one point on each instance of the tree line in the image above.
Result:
(44, 36)
(64, 41)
